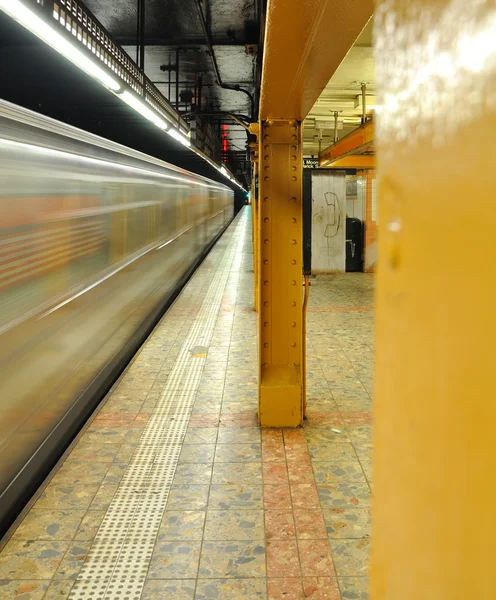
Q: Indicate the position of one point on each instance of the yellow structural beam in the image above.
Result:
(435, 412)
(358, 141)
(354, 161)
(280, 293)
(253, 129)
(305, 42)
(255, 225)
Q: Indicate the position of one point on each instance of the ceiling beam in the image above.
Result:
(358, 141)
(305, 42)
(188, 42)
(354, 161)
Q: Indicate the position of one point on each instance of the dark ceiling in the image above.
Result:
(175, 41)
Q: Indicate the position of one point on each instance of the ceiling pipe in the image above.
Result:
(364, 103)
(261, 12)
(240, 119)
(138, 5)
(140, 36)
(177, 79)
(336, 113)
(208, 39)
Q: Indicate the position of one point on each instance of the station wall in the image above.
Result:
(328, 221)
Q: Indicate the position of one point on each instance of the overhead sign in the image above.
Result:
(310, 163)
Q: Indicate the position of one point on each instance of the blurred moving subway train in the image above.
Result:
(95, 240)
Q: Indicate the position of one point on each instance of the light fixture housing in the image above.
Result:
(143, 109)
(31, 21)
(177, 135)
(222, 169)
(370, 102)
(63, 45)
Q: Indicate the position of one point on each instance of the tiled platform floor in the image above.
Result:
(251, 514)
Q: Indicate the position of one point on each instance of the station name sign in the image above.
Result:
(310, 163)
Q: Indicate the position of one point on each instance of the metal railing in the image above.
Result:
(79, 24)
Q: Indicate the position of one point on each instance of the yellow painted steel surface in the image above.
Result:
(298, 63)
(358, 141)
(354, 161)
(435, 445)
(254, 215)
(280, 294)
(305, 42)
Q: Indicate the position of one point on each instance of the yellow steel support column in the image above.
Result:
(298, 62)
(280, 304)
(435, 410)
(253, 129)
(256, 227)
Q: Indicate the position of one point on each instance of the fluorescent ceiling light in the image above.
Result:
(222, 169)
(370, 102)
(368, 107)
(179, 137)
(31, 21)
(59, 42)
(334, 102)
(142, 108)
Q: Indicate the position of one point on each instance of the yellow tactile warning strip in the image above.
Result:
(251, 514)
